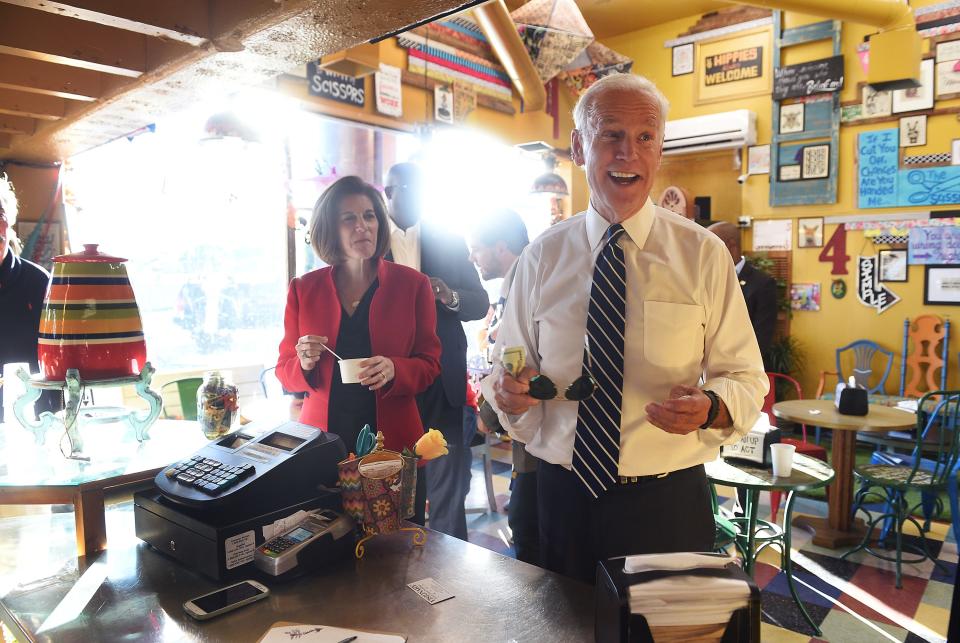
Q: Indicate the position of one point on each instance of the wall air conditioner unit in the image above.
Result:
(723, 131)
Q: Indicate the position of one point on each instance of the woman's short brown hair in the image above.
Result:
(324, 225)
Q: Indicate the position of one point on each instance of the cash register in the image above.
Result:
(213, 510)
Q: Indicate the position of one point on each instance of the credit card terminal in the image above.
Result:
(317, 538)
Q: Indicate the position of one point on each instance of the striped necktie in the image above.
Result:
(596, 447)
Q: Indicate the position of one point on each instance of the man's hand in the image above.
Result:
(441, 291)
(683, 412)
(513, 393)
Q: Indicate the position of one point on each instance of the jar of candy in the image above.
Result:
(216, 405)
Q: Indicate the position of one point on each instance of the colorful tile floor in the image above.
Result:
(853, 601)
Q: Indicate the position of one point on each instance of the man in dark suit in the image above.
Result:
(460, 297)
(759, 289)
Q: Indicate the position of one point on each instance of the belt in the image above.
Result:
(642, 479)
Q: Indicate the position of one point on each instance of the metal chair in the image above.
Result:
(802, 446)
(185, 390)
(889, 483)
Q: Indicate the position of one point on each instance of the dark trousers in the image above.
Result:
(522, 517)
(445, 475)
(670, 514)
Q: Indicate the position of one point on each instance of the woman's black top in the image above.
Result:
(352, 405)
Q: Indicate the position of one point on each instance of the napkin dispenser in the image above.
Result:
(754, 447)
(615, 623)
(850, 399)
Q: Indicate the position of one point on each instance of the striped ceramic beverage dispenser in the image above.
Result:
(90, 319)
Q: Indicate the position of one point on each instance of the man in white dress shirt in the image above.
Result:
(645, 305)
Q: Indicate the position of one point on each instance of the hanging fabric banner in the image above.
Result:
(869, 290)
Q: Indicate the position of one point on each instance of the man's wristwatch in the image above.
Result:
(454, 300)
(714, 408)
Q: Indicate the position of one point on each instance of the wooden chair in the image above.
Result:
(802, 446)
(921, 339)
(889, 484)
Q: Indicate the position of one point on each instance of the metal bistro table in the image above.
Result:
(135, 593)
(32, 474)
(807, 473)
(839, 528)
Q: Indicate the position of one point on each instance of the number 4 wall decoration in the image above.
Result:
(835, 251)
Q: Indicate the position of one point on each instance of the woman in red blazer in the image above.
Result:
(360, 306)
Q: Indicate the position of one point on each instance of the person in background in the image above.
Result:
(360, 306)
(459, 297)
(759, 289)
(495, 248)
(23, 285)
(625, 308)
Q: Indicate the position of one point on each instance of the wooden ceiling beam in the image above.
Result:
(67, 41)
(17, 125)
(185, 21)
(47, 108)
(38, 77)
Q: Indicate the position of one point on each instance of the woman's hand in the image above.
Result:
(376, 372)
(309, 348)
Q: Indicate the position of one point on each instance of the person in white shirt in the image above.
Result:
(634, 315)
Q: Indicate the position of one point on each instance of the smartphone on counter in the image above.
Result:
(225, 600)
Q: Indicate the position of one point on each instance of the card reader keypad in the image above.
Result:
(207, 475)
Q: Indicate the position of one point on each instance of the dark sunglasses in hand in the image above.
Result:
(543, 388)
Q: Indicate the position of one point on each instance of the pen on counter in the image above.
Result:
(348, 639)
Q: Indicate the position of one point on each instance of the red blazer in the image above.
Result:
(403, 319)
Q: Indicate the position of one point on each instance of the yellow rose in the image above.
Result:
(431, 445)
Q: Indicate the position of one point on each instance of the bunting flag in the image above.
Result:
(456, 51)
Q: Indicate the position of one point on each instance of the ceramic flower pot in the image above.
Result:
(90, 319)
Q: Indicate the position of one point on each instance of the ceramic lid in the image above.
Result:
(90, 254)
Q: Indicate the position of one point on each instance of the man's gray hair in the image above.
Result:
(8, 200)
(585, 108)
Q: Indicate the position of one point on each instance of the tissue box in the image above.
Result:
(614, 623)
(851, 400)
(754, 447)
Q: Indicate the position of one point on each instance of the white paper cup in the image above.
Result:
(781, 455)
(350, 370)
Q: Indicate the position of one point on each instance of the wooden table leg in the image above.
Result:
(91, 521)
(839, 529)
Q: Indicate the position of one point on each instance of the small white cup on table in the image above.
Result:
(781, 455)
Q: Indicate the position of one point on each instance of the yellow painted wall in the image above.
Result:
(839, 321)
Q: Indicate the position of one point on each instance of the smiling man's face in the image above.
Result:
(620, 150)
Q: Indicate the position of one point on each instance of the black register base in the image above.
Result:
(134, 593)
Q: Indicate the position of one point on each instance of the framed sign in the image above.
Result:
(948, 79)
(816, 161)
(683, 59)
(733, 66)
(913, 131)
(810, 232)
(758, 159)
(804, 79)
(941, 286)
(876, 104)
(791, 118)
(917, 98)
(789, 173)
(334, 86)
(893, 265)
